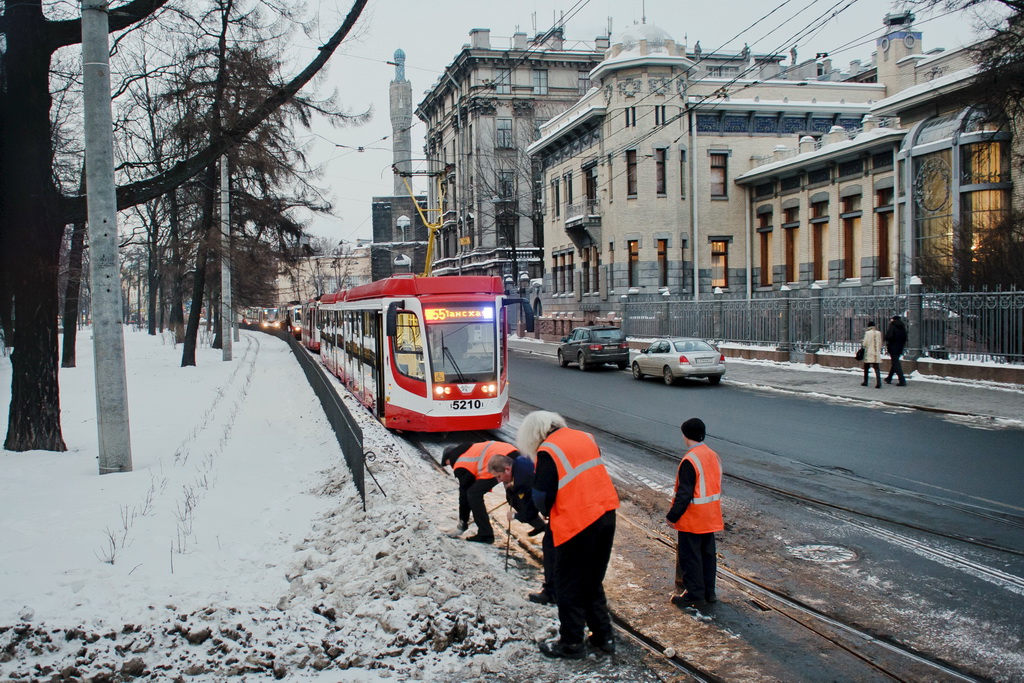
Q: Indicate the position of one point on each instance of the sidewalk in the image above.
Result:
(1002, 402)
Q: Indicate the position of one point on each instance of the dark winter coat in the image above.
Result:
(896, 337)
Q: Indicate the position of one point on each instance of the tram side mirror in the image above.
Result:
(527, 311)
(391, 318)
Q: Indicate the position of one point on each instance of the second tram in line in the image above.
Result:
(425, 354)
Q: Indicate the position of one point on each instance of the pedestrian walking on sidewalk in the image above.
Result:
(872, 345)
(573, 489)
(696, 514)
(515, 471)
(895, 342)
(469, 463)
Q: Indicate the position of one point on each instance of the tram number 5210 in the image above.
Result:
(467, 404)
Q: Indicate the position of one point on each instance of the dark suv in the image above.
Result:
(588, 346)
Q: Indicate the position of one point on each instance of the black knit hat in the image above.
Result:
(693, 429)
(452, 453)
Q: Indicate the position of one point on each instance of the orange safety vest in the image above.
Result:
(585, 490)
(477, 456)
(704, 513)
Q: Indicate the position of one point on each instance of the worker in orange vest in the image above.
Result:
(573, 489)
(696, 513)
(469, 462)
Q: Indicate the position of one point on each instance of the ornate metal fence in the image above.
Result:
(976, 327)
(845, 318)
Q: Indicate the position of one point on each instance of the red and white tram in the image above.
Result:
(425, 354)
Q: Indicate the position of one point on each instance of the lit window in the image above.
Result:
(719, 263)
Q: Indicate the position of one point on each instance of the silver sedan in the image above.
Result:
(674, 357)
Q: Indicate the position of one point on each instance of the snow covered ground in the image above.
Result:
(237, 548)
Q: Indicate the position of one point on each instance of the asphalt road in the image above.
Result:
(921, 452)
(900, 488)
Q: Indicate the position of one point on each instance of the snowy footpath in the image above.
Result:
(238, 549)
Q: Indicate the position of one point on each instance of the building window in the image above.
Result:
(791, 252)
(582, 82)
(720, 263)
(571, 272)
(561, 274)
(660, 115)
(764, 227)
(504, 134)
(590, 186)
(556, 198)
(611, 265)
(568, 190)
(634, 263)
(682, 174)
(585, 269)
(503, 83)
(819, 239)
(851, 236)
(662, 263)
(883, 223)
(611, 176)
(506, 185)
(719, 175)
(631, 172)
(540, 81)
(630, 114)
(659, 172)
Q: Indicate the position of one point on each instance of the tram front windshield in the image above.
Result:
(462, 343)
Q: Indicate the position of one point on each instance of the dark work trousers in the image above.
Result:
(878, 373)
(548, 548)
(896, 367)
(471, 499)
(696, 564)
(580, 564)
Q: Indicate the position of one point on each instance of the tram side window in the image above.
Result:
(407, 347)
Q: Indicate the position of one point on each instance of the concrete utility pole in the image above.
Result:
(108, 335)
(227, 317)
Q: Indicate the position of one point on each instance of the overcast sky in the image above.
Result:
(432, 34)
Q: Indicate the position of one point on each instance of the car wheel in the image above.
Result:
(715, 379)
(668, 376)
(581, 362)
(561, 359)
(622, 365)
(636, 371)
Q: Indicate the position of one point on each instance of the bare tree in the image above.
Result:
(34, 210)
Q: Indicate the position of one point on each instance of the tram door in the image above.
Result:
(380, 336)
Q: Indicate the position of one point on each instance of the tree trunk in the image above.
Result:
(153, 280)
(30, 241)
(188, 352)
(176, 317)
(72, 295)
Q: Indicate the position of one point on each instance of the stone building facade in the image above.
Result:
(481, 115)
(639, 176)
(670, 178)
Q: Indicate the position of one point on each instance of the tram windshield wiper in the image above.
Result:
(451, 358)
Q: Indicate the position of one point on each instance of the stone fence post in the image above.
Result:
(817, 320)
(916, 319)
(785, 343)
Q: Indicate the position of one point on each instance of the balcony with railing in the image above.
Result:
(586, 212)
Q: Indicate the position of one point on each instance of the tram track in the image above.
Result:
(851, 641)
(816, 621)
(803, 498)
